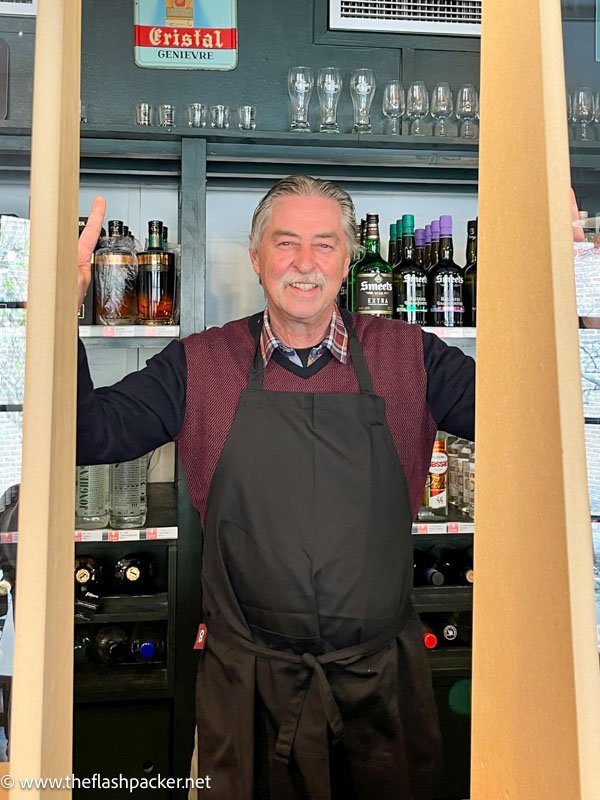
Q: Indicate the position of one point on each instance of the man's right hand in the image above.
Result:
(87, 243)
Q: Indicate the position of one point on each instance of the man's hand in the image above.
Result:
(87, 243)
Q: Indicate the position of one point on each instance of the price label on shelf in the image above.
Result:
(112, 536)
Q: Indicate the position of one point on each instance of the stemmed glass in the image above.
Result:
(393, 106)
(329, 87)
(583, 113)
(442, 107)
(300, 86)
(362, 91)
(466, 110)
(417, 106)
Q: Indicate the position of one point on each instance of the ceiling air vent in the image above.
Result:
(433, 17)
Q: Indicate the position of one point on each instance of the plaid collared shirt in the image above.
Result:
(336, 341)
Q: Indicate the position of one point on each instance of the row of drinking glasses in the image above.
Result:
(583, 108)
(417, 104)
(414, 104)
(197, 114)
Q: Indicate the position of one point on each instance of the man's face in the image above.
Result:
(302, 258)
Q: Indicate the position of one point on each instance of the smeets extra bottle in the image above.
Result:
(92, 496)
(425, 571)
(110, 645)
(370, 285)
(134, 573)
(88, 575)
(454, 630)
(128, 493)
(147, 644)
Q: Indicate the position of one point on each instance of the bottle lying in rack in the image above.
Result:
(110, 645)
(134, 573)
(147, 644)
(88, 575)
(450, 629)
(443, 565)
(425, 571)
(82, 645)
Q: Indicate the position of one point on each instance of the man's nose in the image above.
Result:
(304, 257)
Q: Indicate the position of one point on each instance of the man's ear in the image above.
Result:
(254, 258)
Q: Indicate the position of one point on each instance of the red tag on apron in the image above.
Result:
(201, 637)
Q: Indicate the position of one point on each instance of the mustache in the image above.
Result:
(317, 279)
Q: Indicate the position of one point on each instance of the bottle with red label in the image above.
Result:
(435, 500)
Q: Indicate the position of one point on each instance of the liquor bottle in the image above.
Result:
(81, 647)
(427, 251)
(435, 501)
(420, 247)
(446, 282)
(464, 454)
(410, 280)
(147, 643)
(471, 486)
(454, 630)
(435, 243)
(88, 575)
(173, 252)
(110, 645)
(470, 285)
(393, 243)
(425, 572)
(92, 494)
(430, 640)
(115, 279)
(370, 285)
(134, 573)
(454, 563)
(128, 493)
(156, 279)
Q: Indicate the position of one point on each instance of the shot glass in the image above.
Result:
(144, 114)
(219, 116)
(196, 115)
(166, 115)
(82, 111)
(246, 118)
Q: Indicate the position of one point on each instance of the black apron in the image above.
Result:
(314, 682)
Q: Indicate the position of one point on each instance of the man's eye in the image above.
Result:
(325, 246)
(285, 244)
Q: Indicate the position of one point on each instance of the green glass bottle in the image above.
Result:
(427, 250)
(370, 288)
(393, 244)
(470, 285)
(410, 280)
(342, 298)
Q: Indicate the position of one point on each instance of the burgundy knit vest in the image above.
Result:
(218, 361)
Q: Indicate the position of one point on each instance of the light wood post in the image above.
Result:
(536, 682)
(41, 725)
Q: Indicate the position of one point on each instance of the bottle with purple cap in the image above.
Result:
(427, 251)
(410, 280)
(420, 247)
(435, 243)
(446, 282)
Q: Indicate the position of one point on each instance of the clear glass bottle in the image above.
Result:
(115, 279)
(471, 486)
(453, 445)
(370, 285)
(92, 497)
(128, 493)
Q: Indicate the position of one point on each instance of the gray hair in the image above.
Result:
(305, 186)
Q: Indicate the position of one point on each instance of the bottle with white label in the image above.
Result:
(92, 497)
(471, 486)
(128, 493)
(435, 501)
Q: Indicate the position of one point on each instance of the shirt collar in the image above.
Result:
(336, 341)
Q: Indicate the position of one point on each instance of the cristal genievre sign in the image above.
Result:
(185, 34)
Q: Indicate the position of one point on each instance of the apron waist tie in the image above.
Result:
(311, 667)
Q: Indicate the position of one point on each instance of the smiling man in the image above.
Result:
(306, 435)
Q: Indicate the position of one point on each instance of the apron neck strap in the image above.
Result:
(257, 370)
